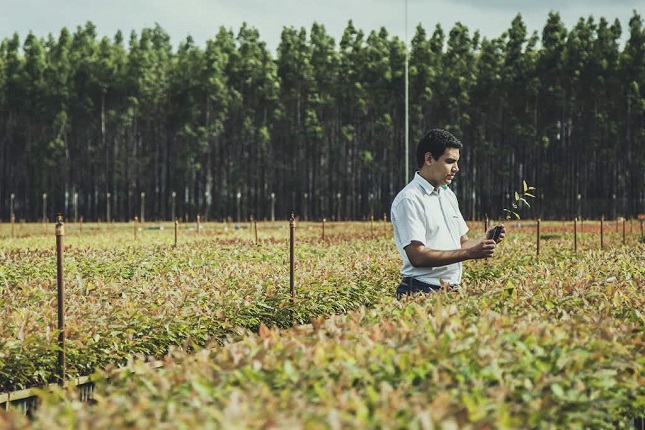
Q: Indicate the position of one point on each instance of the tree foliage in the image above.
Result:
(231, 130)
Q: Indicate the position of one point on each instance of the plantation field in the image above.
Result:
(555, 341)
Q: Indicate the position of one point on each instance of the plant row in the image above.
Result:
(524, 344)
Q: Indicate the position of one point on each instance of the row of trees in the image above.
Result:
(227, 130)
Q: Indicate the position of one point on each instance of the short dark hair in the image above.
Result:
(435, 141)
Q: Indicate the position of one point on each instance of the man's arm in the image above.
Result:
(422, 256)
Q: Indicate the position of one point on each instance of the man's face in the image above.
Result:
(443, 171)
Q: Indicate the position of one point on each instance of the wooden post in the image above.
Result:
(176, 232)
(13, 214)
(575, 235)
(623, 231)
(255, 227)
(60, 232)
(602, 236)
(323, 229)
(485, 223)
(372, 225)
(198, 219)
(292, 231)
(136, 222)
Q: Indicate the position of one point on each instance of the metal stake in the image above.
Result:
(60, 232)
(292, 231)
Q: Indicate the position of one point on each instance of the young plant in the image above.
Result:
(520, 198)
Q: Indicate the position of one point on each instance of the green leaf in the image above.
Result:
(525, 186)
(529, 195)
(517, 196)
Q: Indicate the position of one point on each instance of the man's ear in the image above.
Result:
(428, 158)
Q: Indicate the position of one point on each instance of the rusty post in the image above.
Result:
(255, 227)
(324, 220)
(602, 232)
(485, 223)
(176, 231)
(13, 214)
(538, 237)
(575, 234)
(60, 232)
(107, 207)
(292, 231)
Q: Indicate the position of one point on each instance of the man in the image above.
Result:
(429, 230)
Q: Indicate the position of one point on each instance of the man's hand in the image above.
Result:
(489, 234)
(482, 249)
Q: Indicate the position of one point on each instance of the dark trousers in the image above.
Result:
(410, 286)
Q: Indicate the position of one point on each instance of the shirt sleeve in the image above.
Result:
(409, 221)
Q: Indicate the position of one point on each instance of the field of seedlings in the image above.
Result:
(548, 337)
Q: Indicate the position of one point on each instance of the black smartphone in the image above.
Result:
(497, 232)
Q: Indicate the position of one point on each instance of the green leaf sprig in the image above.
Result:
(519, 198)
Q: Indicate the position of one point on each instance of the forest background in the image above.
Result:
(112, 128)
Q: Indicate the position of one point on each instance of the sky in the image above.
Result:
(202, 18)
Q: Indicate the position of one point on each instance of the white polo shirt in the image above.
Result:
(429, 215)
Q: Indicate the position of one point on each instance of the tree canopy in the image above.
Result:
(107, 126)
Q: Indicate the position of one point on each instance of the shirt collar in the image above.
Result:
(427, 186)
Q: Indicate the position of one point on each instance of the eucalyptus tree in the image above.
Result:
(391, 124)
(487, 97)
(254, 84)
(4, 161)
(352, 113)
(602, 118)
(58, 92)
(552, 119)
(453, 111)
(516, 123)
(380, 138)
(424, 65)
(188, 174)
(12, 138)
(109, 65)
(199, 94)
(291, 156)
(632, 67)
(148, 106)
(585, 137)
(321, 122)
(215, 99)
(33, 124)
